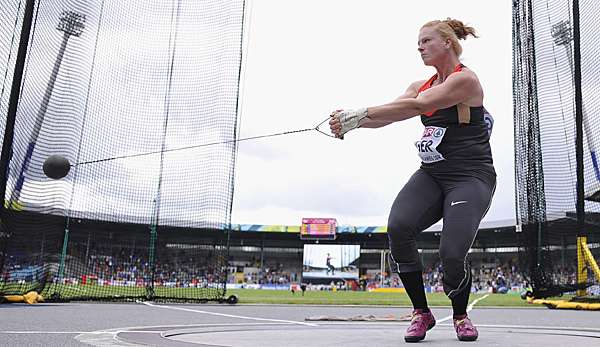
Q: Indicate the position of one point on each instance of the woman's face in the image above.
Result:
(432, 46)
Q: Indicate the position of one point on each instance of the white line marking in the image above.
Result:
(108, 337)
(469, 308)
(80, 332)
(230, 315)
(45, 332)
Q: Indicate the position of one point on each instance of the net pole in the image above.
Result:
(150, 293)
(581, 268)
(580, 207)
(262, 253)
(382, 267)
(341, 259)
(14, 100)
(63, 256)
(229, 229)
(9, 128)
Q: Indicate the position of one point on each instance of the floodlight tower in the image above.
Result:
(562, 33)
(71, 24)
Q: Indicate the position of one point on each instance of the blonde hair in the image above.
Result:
(452, 29)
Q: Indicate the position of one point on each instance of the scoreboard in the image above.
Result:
(318, 229)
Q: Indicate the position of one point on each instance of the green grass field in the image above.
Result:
(264, 296)
(255, 296)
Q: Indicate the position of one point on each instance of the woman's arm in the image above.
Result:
(458, 88)
(410, 93)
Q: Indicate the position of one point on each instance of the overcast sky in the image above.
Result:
(304, 59)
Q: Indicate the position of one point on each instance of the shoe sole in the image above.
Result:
(418, 338)
(467, 338)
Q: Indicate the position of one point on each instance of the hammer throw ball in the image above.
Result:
(56, 167)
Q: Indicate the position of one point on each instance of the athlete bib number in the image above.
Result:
(427, 145)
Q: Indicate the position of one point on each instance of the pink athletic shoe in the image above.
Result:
(420, 323)
(465, 331)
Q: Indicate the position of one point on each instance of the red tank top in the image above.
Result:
(429, 82)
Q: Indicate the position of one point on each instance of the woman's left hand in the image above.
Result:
(343, 121)
(335, 125)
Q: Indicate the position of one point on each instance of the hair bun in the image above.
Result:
(461, 30)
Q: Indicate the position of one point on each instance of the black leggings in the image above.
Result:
(461, 201)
